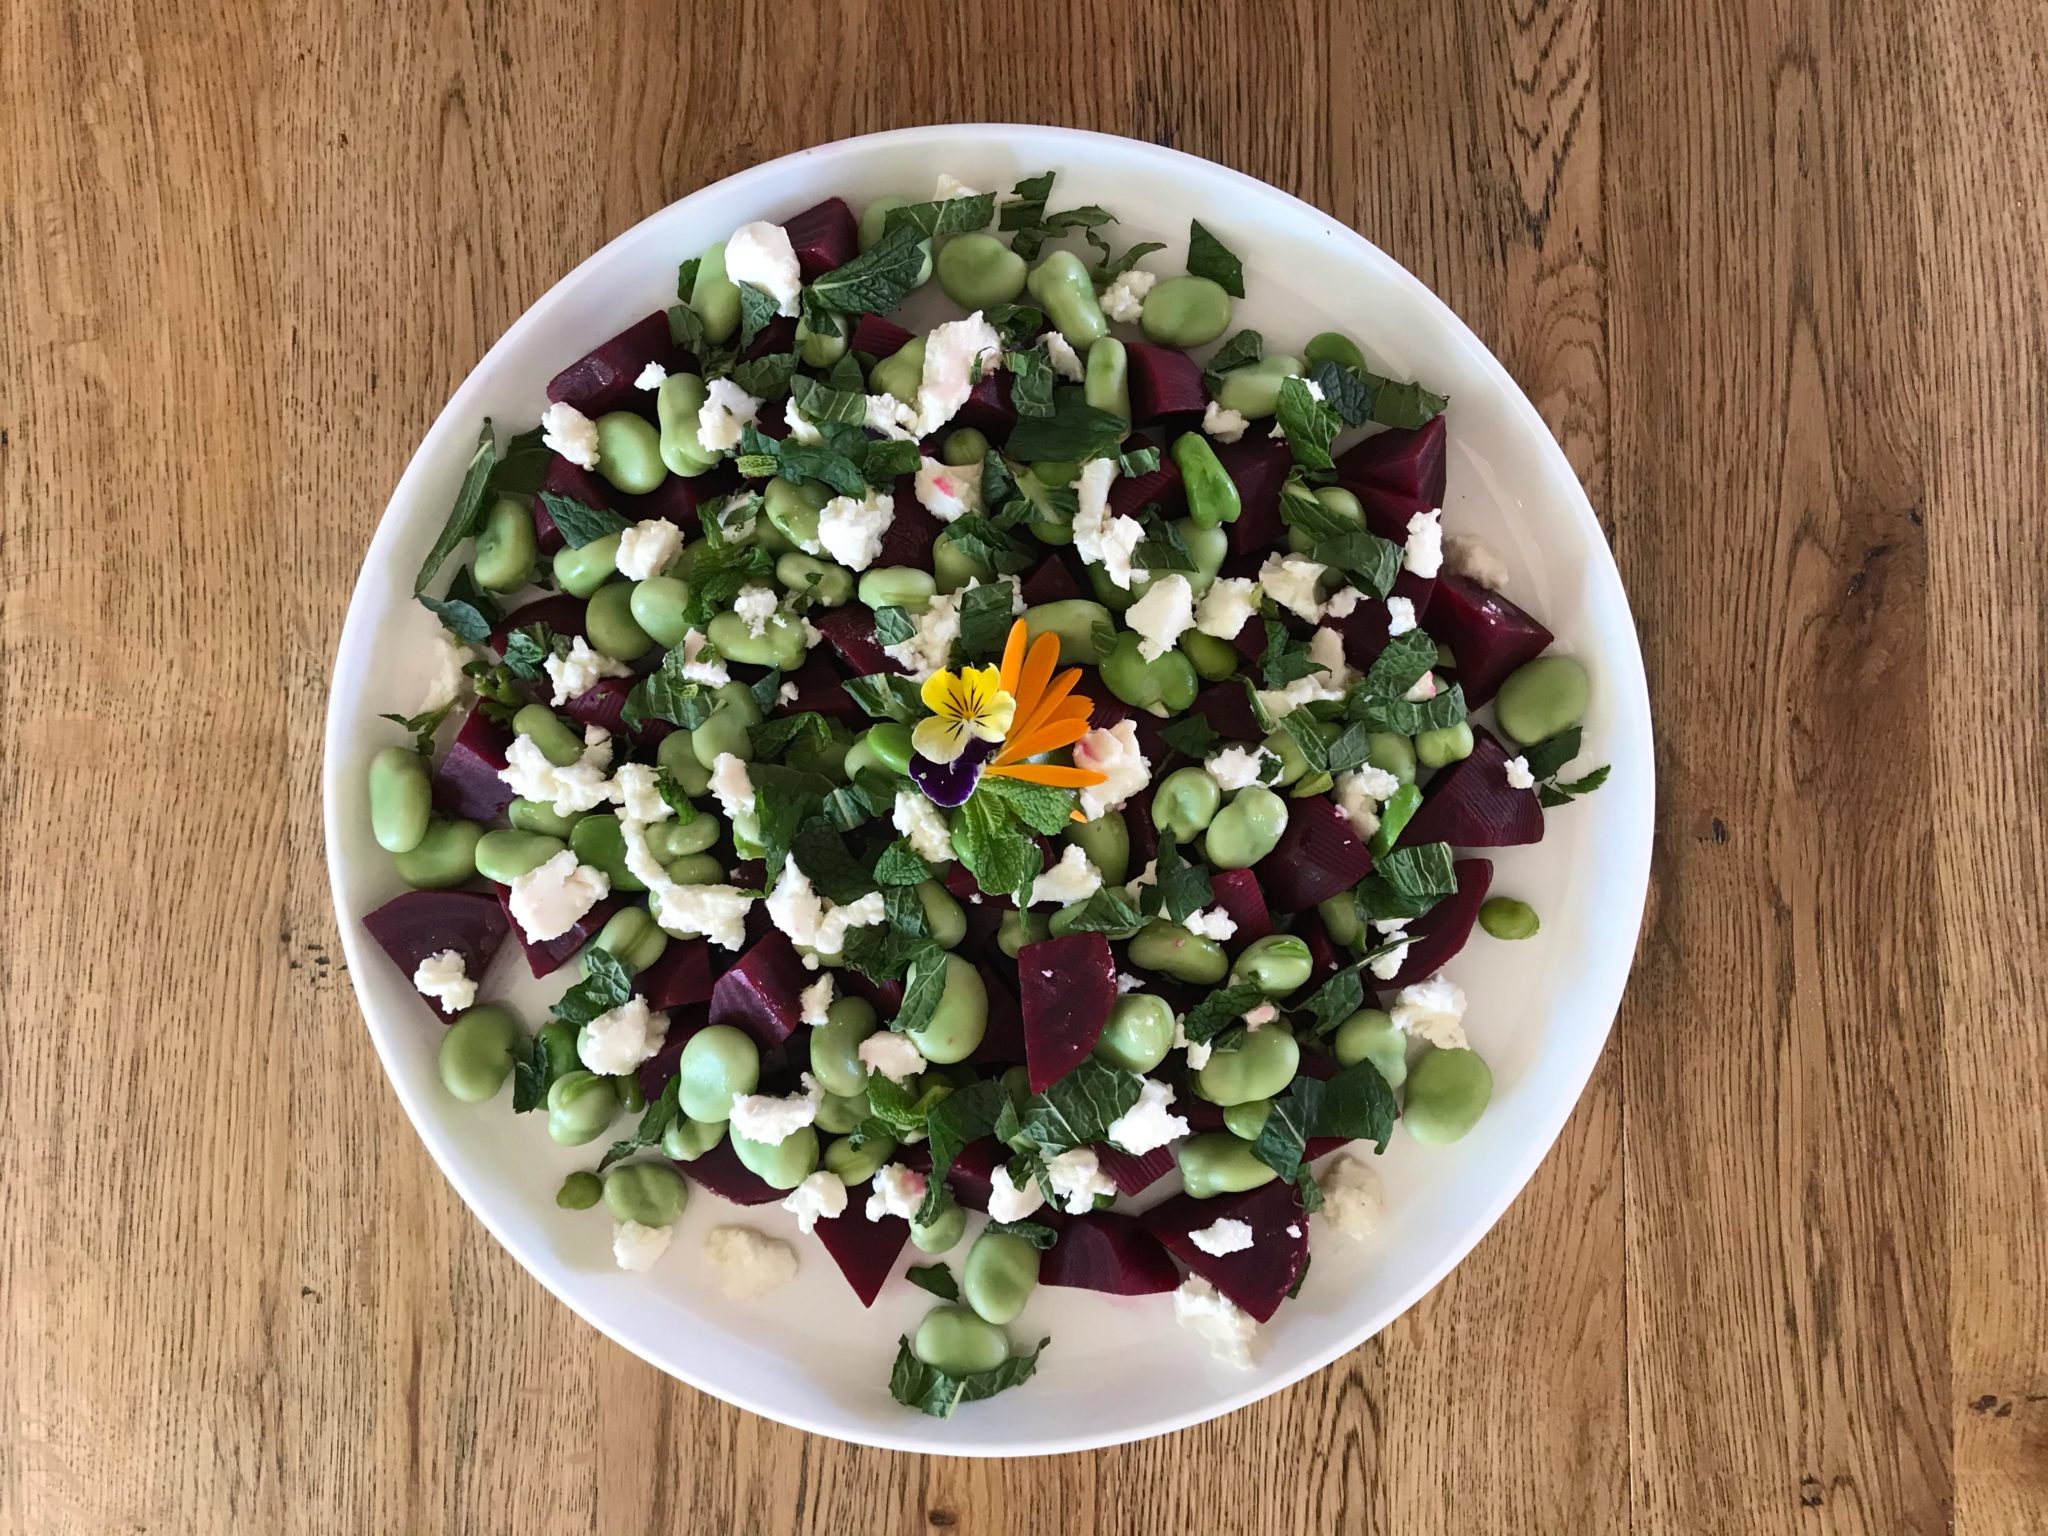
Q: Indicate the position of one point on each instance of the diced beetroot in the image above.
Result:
(1161, 488)
(1237, 893)
(1472, 805)
(1134, 1175)
(773, 339)
(1109, 1253)
(1066, 987)
(772, 419)
(1166, 386)
(721, 1171)
(674, 501)
(545, 956)
(565, 479)
(1489, 635)
(760, 992)
(683, 1022)
(415, 924)
(877, 337)
(604, 704)
(885, 997)
(1442, 931)
(1323, 1146)
(1323, 959)
(561, 613)
(825, 236)
(1257, 1278)
(973, 1171)
(864, 1250)
(1002, 1043)
(1144, 835)
(1404, 462)
(1364, 628)
(911, 532)
(988, 408)
(819, 689)
(1228, 708)
(467, 783)
(682, 975)
(957, 880)
(850, 631)
(1053, 580)
(1200, 1114)
(1317, 856)
(1257, 466)
(1250, 641)
(604, 376)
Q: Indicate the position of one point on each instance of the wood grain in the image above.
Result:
(1772, 272)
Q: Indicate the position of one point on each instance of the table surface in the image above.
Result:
(1773, 277)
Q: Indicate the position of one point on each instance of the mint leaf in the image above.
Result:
(1036, 1233)
(1359, 397)
(1075, 431)
(1369, 562)
(784, 799)
(932, 1392)
(532, 1077)
(655, 1120)
(1411, 716)
(756, 310)
(1301, 726)
(1107, 911)
(821, 853)
(674, 796)
(893, 625)
(936, 1278)
(1307, 516)
(1219, 1010)
(766, 377)
(875, 281)
(836, 462)
(1351, 749)
(1017, 324)
(950, 216)
(527, 650)
(883, 954)
(1355, 1104)
(1241, 351)
(996, 850)
(1080, 1107)
(466, 515)
(1026, 207)
(1407, 882)
(1041, 807)
(606, 985)
(1286, 658)
(665, 694)
(1192, 736)
(717, 574)
(1550, 755)
(887, 696)
(923, 984)
(985, 620)
(1310, 425)
(1163, 548)
(422, 727)
(1555, 794)
(467, 612)
(900, 865)
(824, 402)
(1106, 271)
(1211, 258)
(1184, 888)
(976, 536)
(953, 1122)
(1338, 998)
(521, 467)
(1401, 665)
(580, 523)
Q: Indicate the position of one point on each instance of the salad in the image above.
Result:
(967, 776)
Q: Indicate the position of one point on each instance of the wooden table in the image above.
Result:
(1773, 274)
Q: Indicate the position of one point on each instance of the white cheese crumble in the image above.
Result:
(948, 491)
(890, 417)
(1259, 1015)
(731, 786)
(749, 1264)
(1116, 755)
(1424, 552)
(549, 900)
(1077, 1178)
(570, 433)
(1475, 560)
(726, 409)
(1224, 1235)
(1099, 538)
(584, 785)
(713, 673)
(932, 634)
(1198, 1051)
(1388, 966)
(1353, 1199)
(1162, 615)
(1432, 1010)
(1400, 615)
(950, 354)
(716, 912)
(1072, 879)
(892, 1055)
(755, 605)
(788, 693)
(1326, 650)
(1148, 1124)
(812, 921)
(1006, 1202)
(851, 528)
(1126, 982)
(444, 977)
(820, 1197)
(1124, 298)
(896, 1191)
(1360, 795)
(760, 253)
(1216, 1319)
(646, 548)
(636, 791)
(445, 679)
(923, 825)
(949, 187)
(1222, 423)
(616, 1042)
(1519, 776)
(636, 1247)
(1210, 923)
(580, 671)
(1290, 580)
(1226, 606)
(801, 428)
(772, 1120)
(650, 378)
(1065, 361)
(816, 1000)
(1237, 768)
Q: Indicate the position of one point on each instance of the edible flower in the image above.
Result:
(990, 720)
(970, 705)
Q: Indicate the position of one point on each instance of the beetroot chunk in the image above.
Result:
(416, 924)
(673, 501)
(721, 1171)
(1054, 579)
(877, 337)
(1066, 987)
(972, 1175)
(1133, 1174)
(760, 993)
(604, 376)
(1442, 931)
(1405, 464)
(850, 631)
(1228, 708)
(683, 1022)
(1364, 628)
(1472, 805)
(467, 783)
(561, 613)
(603, 704)
(682, 975)
(1257, 466)
(864, 1250)
(819, 691)
(1317, 856)
(1257, 1278)
(564, 479)
(911, 532)
(1109, 1253)
(544, 956)
(824, 236)
(1488, 635)
(988, 407)
(1166, 386)
(1128, 494)
(1237, 893)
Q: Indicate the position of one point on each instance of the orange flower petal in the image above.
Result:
(1048, 773)
(1055, 695)
(1039, 661)
(1048, 738)
(1013, 656)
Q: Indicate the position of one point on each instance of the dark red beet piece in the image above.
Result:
(604, 376)
(415, 924)
(1228, 708)
(1317, 856)
(1109, 1253)
(721, 1171)
(467, 783)
(850, 631)
(1404, 462)
(820, 690)
(603, 703)
(561, 613)
(1166, 386)
(1364, 628)
(864, 1250)
(1250, 641)
(1053, 580)
(1444, 929)
(885, 997)
(565, 479)
(1257, 466)
(1489, 635)
(674, 501)
(773, 339)
(759, 994)
(1128, 494)
(1471, 804)
(988, 408)
(1002, 1043)
(682, 975)
(1066, 987)
(1257, 1278)
(1324, 961)
(877, 337)
(1237, 893)
(973, 1171)
(909, 539)
(825, 236)
(1133, 1174)
(546, 956)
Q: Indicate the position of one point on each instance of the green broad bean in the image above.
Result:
(1253, 391)
(503, 856)
(953, 1340)
(686, 1140)
(1340, 920)
(644, 1192)
(780, 644)
(1020, 928)
(735, 697)
(1246, 1120)
(1441, 748)
(1216, 1163)
(835, 1046)
(901, 373)
(1338, 502)
(629, 452)
(507, 548)
(820, 349)
(963, 446)
(1208, 548)
(783, 1165)
(1016, 1083)
(658, 605)
(941, 1232)
(1113, 597)
(631, 937)
(676, 405)
(1542, 697)
(1169, 682)
(581, 1108)
(1369, 1035)
(539, 816)
(691, 869)
(1212, 494)
(1106, 377)
(1445, 656)
(724, 731)
(1170, 948)
(1185, 312)
(443, 858)
(1334, 347)
(978, 271)
(610, 625)
(580, 1191)
(1391, 752)
(1258, 1068)
(961, 1018)
(942, 914)
(853, 1165)
(953, 567)
(1073, 619)
(1246, 830)
(678, 756)
(1062, 922)
(1107, 842)
(477, 1052)
(558, 743)
(1050, 524)
(1506, 918)
(401, 799)
(558, 1040)
(632, 1099)
(837, 1115)
(716, 1064)
(1186, 801)
(1138, 1033)
(897, 586)
(600, 842)
(1293, 762)
(1277, 965)
(580, 572)
(826, 584)
(1213, 659)
(873, 225)
(998, 1276)
(715, 296)
(1395, 815)
(1448, 1091)
(1057, 474)
(889, 740)
(1066, 293)
(671, 839)
(792, 507)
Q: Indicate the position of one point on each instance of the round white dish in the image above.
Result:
(1117, 1369)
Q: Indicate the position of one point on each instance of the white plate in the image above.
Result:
(1117, 1370)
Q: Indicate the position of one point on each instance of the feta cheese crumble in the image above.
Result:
(1353, 1198)
(1124, 298)
(1213, 1317)
(896, 1191)
(1222, 423)
(650, 378)
(923, 826)
(1072, 879)
(1198, 1051)
(1360, 793)
(948, 491)
(636, 792)
(714, 912)
(812, 921)
(820, 1197)
(1065, 361)
(726, 409)
(1259, 1015)
(1006, 1202)
(731, 786)
(636, 1247)
(713, 673)
(772, 1120)
(581, 670)
(1116, 755)
(1519, 776)
(570, 433)
(1432, 1010)
(1400, 615)
(1126, 982)
(1162, 615)
(749, 1264)
(1210, 923)
(1424, 688)
(445, 679)
(1226, 606)
(1077, 1178)
(1237, 768)
(1224, 1235)
(890, 417)
(755, 606)
(1475, 560)
(816, 1000)
(444, 977)
(549, 900)
(932, 634)
(950, 355)
(949, 187)
(1424, 552)
(646, 548)
(801, 428)
(616, 1042)
(891, 1055)
(1290, 580)
(1099, 538)
(1148, 1124)
(1388, 966)
(851, 528)
(760, 253)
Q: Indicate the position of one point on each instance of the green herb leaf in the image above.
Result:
(606, 985)
(1133, 462)
(951, 216)
(985, 620)
(1338, 998)
(996, 850)
(665, 694)
(1351, 749)
(1310, 425)
(467, 514)
(1241, 351)
(1192, 736)
(821, 853)
(674, 796)
(1107, 911)
(1219, 1010)
(893, 1106)
(1163, 548)
(1401, 665)
(1410, 716)
(883, 954)
(580, 523)
(1031, 381)
(923, 984)
(1407, 882)
(1015, 323)
(1026, 207)
(467, 612)
(1307, 735)
(876, 280)
(836, 462)
(1211, 258)
(1307, 516)
(757, 308)
(718, 573)
(532, 1076)
(1107, 271)
(893, 625)
(422, 727)
(960, 1118)
(1041, 807)
(978, 538)
(825, 402)
(899, 864)
(936, 1278)
(1075, 431)
(685, 325)
(661, 1113)
(784, 799)
(1355, 1104)
(1550, 755)
(1286, 658)
(1359, 397)
(1563, 794)
(1369, 562)
(1184, 887)
(932, 1392)
(527, 650)
(521, 467)
(1036, 1233)
(1080, 1107)
(887, 696)
(767, 377)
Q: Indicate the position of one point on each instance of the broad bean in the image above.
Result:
(1212, 494)
(659, 605)
(1185, 312)
(792, 507)
(1334, 347)
(898, 586)
(1189, 957)
(821, 349)
(401, 799)
(1213, 659)
(686, 1140)
(1395, 815)
(953, 568)
(600, 842)
(942, 914)
(716, 1064)
(1186, 801)
(1246, 830)
(629, 452)
(1391, 752)
(679, 757)
(1447, 1092)
(826, 584)
(644, 1192)
(941, 1232)
(443, 858)
(835, 1046)
(1073, 619)
(1066, 293)
(580, 1191)
(1542, 697)
(503, 856)
(477, 1052)
(1369, 1035)
(1263, 1064)
(874, 221)
(1138, 1033)
(837, 1116)
(1253, 391)
(676, 405)
(507, 548)
(781, 1165)
(611, 627)
(1106, 377)
(581, 571)
(998, 1276)
(1277, 965)
(540, 816)
(1443, 747)
(780, 643)
(1339, 915)
(715, 296)
(1216, 1163)
(581, 1108)
(952, 1339)
(901, 373)
(1506, 918)
(672, 839)
(1107, 842)
(1246, 1120)
(963, 446)
(856, 1165)
(961, 1018)
(978, 271)
(1020, 928)
(557, 742)
(1169, 681)
(631, 938)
